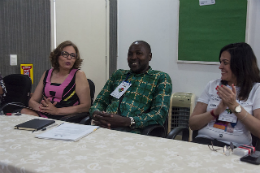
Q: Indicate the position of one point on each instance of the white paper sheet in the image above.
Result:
(68, 131)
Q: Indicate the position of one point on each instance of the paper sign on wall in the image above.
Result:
(207, 2)
(27, 69)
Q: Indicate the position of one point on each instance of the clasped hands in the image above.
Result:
(228, 98)
(47, 106)
(107, 120)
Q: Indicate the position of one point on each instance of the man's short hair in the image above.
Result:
(147, 45)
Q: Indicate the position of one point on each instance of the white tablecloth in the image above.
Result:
(107, 151)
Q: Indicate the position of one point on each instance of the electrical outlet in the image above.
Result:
(13, 59)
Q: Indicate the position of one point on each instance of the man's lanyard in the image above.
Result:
(121, 88)
(226, 121)
(121, 98)
(128, 74)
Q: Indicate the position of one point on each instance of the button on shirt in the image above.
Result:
(147, 100)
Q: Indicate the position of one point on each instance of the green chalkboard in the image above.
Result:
(204, 30)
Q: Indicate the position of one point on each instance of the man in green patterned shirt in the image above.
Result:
(144, 103)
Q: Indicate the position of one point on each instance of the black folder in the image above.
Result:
(34, 124)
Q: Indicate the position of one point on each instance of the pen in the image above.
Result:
(45, 128)
(60, 124)
(50, 126)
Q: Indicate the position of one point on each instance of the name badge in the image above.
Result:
(121, 89)
(228, 116)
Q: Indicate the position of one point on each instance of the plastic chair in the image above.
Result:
(179, 130)
(156, 130)
(256, 143)
(18, 89)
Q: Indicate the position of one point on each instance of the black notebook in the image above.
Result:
(34, 124)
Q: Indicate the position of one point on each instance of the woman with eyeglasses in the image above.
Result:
(228, 109)
(63, 89)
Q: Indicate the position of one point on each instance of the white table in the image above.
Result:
(106, 151)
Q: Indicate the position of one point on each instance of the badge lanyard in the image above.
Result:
(122, 88)
(122, 96)
(226, 121)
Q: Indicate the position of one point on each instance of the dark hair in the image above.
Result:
(243, 65)
(147, 45)
(57, 52)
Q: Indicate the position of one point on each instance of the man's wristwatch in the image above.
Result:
(132, 121)
(238, 109)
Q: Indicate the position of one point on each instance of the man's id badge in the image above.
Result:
(121, 89)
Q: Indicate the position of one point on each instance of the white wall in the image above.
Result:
(254, 27)
(156, 21)
(85, 24)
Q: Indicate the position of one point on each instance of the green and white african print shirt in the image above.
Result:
(147, 100)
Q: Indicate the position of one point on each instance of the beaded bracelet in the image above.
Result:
(212, 113)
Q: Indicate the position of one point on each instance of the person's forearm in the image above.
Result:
(197, 122)
(124, 122)
(92, 110)
(98, 105)
(34, 105)
(251, 122)
(73, 109)
(111, 120)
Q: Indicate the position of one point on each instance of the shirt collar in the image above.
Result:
(149, 71)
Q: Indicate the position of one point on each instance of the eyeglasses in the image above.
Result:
(227, 150)
(66, 55)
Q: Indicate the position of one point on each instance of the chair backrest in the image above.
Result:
(194, 134)
(82, 118)
(92, 90)
(256, 142)
(18, 89)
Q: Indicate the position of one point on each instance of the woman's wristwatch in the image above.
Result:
(238, 109)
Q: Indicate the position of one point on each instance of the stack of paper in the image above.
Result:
(68, 131)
